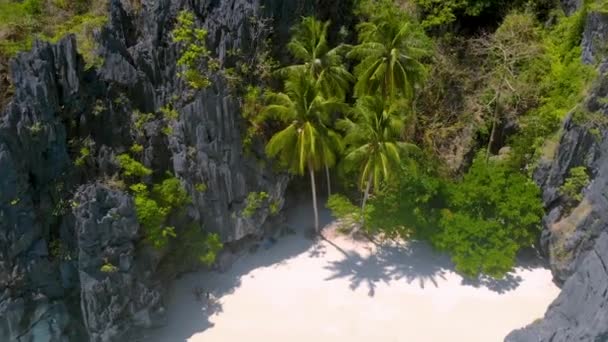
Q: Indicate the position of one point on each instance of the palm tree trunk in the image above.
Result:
(314, 197)
(328, 181)
(368, 187)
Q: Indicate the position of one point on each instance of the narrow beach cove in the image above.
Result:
(344, 290)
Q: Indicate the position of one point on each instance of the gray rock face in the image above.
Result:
(580, 313)
(576, 237)
(35, 165)
(61, 222)
(118, 291)
(595, 37)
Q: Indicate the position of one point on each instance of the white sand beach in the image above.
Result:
(345, 290)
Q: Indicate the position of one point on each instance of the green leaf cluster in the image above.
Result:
(154, 207)
(254, 201)
(131, 167)
(577, 180)
(195, 57)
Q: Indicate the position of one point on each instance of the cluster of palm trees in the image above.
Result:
(313, 110)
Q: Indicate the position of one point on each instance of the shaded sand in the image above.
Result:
(344, 290)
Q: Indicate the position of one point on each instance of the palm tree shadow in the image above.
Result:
(414, 261)
(390, 262)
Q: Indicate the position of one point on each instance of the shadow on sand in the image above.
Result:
(391, 262)
(194, 315)
(414, 261)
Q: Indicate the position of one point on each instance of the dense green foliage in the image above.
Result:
(389, 52)
(492, 213)
(560, 80)
(309, 46)
(425, 85)
(157, 204)
(22, 22)
(520, 73)
(372, 138)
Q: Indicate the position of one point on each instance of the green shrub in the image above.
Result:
(85, 153)
(343, 209)
(492, 213)
(141, 119)
(153, 209)
(137, 148)
(562, 81)
(198, 245)
(255, 201)
(194, 56)
(169, 113)
(573, 186)
(131, 167)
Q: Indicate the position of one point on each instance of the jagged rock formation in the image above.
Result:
(61, 223)
(579, 313)
(118, 290)
(576, 238)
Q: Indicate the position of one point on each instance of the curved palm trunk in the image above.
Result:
(328, 181)
(314, 197)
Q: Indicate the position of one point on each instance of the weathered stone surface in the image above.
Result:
(113, 301)
(34, 164)
(571, 232)
(580, 313)
(595, 37)
(576, 238)
(51, 287)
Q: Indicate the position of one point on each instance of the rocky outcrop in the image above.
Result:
(580, 313)
(36, 234)
(595, 37)
(64, 214)
(118, 290)
(575, 237)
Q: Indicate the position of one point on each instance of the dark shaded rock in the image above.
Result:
(571, 232)
(575, 238)
(113, 302)
(49, 251)
(580, 313)
(595, 37)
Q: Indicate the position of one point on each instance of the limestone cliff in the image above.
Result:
(60, 223)
(576, 239)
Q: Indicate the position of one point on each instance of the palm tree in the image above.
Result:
(306, 142)
(309, 47)
(389, 52)
(373, 141)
